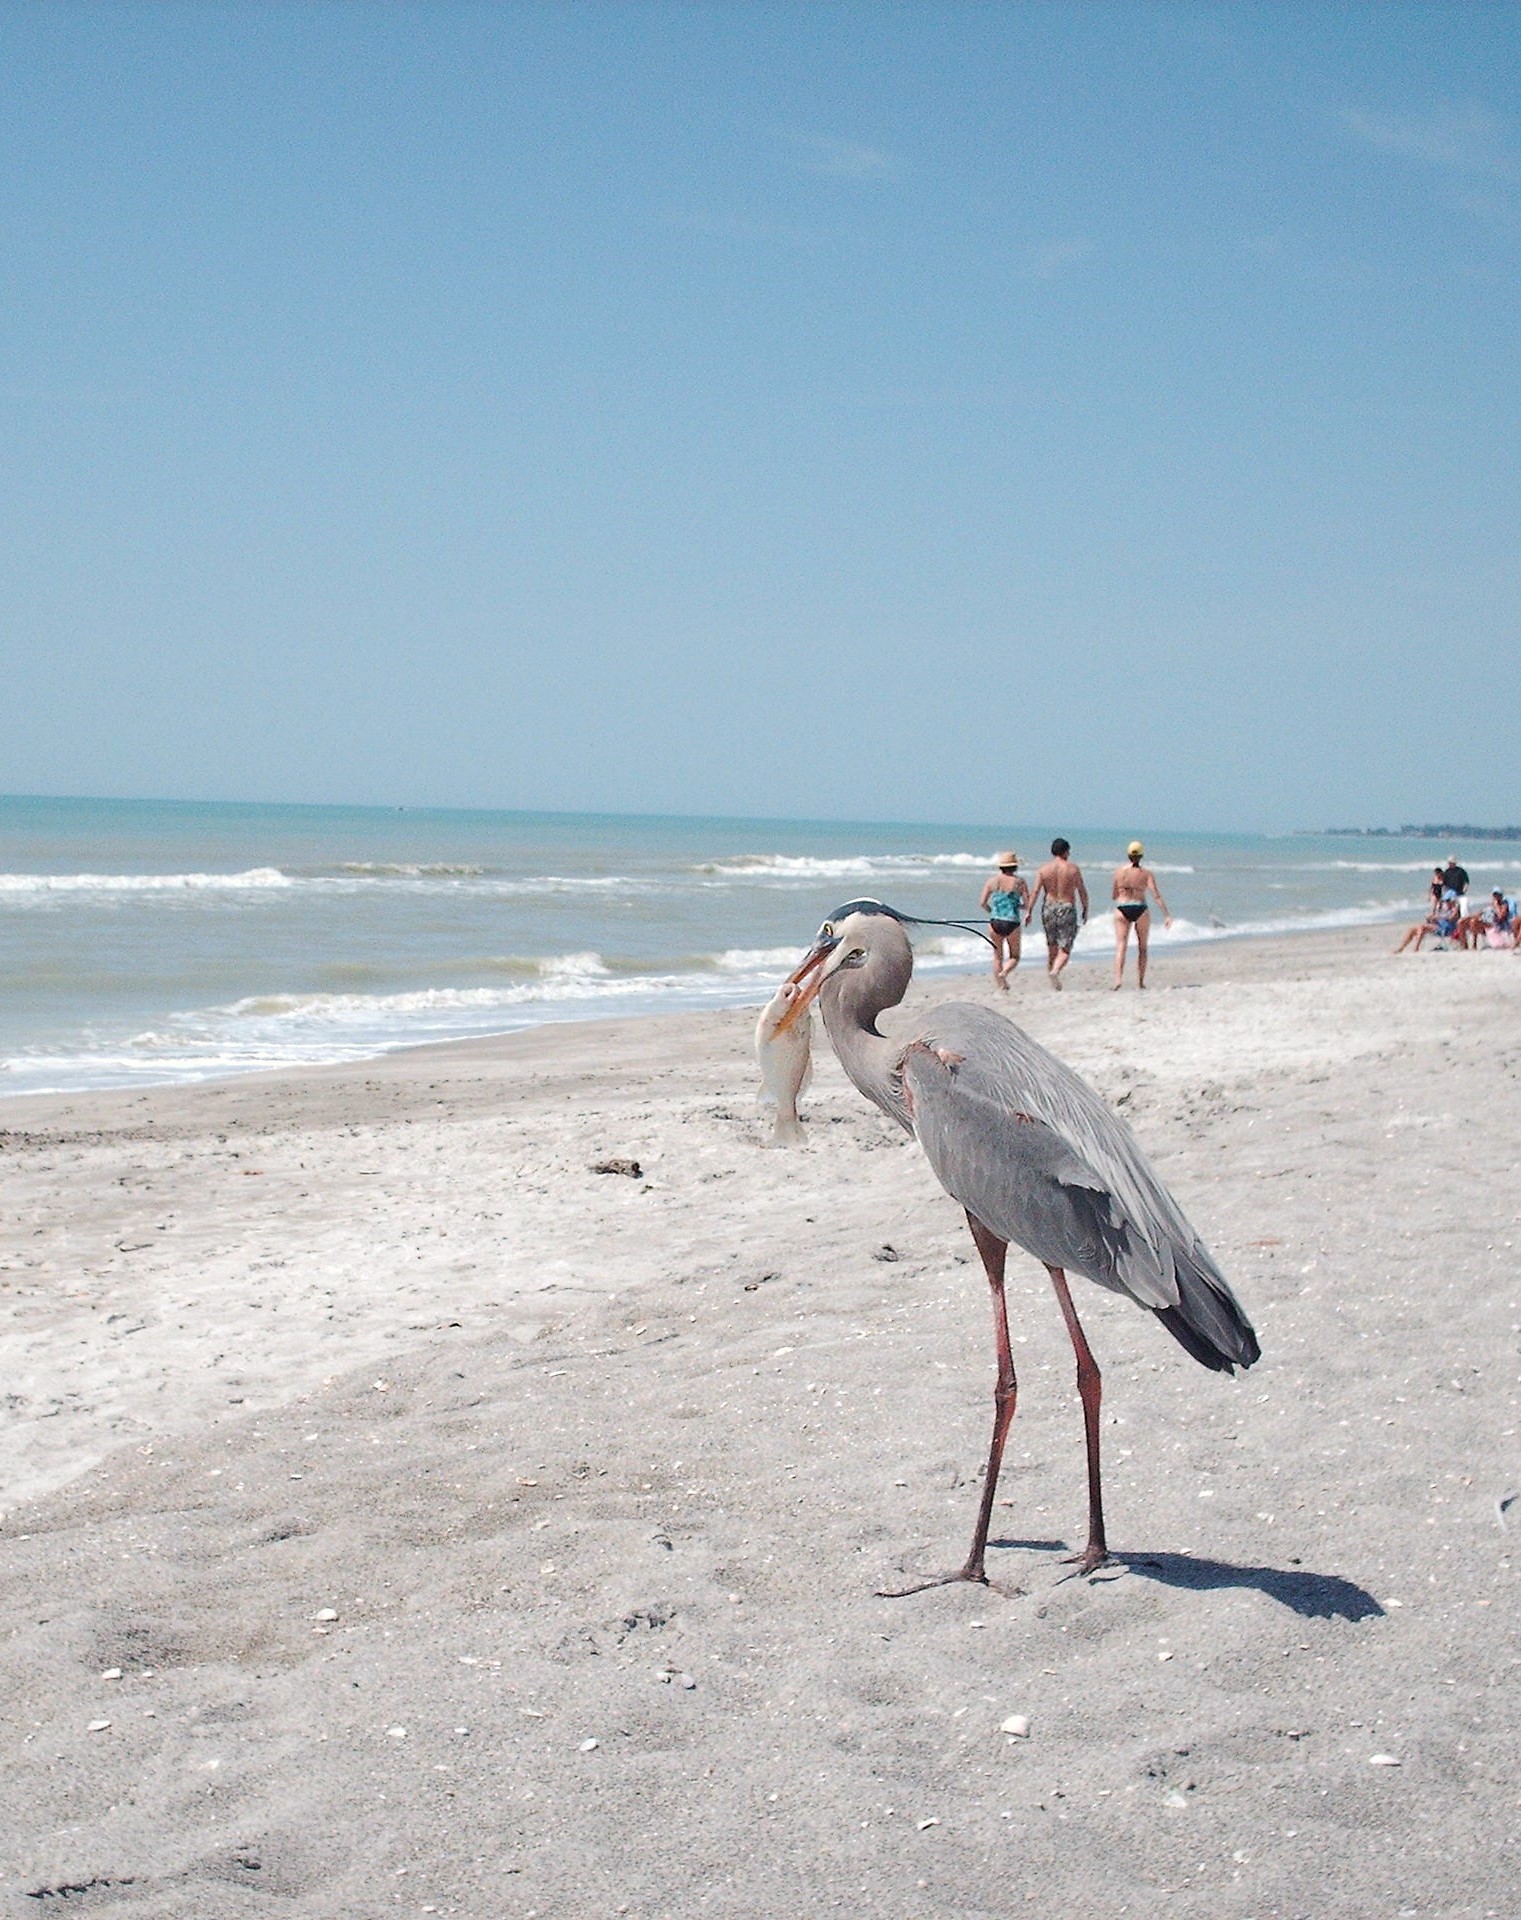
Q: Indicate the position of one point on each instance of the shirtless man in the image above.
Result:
(1061, 881)
(1131, 885)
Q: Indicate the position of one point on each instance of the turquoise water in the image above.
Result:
(144, 941)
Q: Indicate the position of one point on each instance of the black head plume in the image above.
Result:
(895, 913)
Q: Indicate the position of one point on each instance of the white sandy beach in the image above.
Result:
(427, 1523)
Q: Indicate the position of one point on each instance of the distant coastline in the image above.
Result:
(1444, 830)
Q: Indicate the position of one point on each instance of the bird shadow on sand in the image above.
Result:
(1313, 1596)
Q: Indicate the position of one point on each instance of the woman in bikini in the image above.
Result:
(1132, 883)
(1005, 898)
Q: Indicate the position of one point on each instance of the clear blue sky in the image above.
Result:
(1105, 413)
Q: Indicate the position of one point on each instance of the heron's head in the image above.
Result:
(847, 939)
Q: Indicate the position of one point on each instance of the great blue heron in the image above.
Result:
(1034, 1157)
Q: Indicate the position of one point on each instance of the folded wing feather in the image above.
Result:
(1028, 1147)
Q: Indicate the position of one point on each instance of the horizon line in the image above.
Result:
(584, 813)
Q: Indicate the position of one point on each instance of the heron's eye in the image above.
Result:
(826, 932)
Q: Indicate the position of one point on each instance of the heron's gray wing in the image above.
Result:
(1009, 1121)
(1023, 1178)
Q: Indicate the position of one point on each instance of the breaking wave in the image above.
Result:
(265, 1031)
(1401, 866)
(352, 877)
(787, 866)
(405, 870)
(255, 880)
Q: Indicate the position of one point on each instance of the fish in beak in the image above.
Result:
(808, 987)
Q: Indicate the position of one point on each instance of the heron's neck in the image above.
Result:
(850, 1003)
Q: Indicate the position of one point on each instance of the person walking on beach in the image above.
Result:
(1004, 899)
(1132, 883)
(1061, 881)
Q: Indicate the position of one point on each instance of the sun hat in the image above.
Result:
(1006, 859)
(1135, 847)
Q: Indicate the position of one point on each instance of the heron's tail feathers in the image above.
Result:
(1208, 1321)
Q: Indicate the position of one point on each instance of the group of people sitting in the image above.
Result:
(1449, 916)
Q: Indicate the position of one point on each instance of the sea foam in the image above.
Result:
(22, 886)
(271, 936)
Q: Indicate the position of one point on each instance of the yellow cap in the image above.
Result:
(1135, 847)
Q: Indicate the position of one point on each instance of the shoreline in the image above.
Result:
(1163, 948)
(939, 984)
(349, 1408)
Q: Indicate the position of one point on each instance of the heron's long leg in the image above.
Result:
(994, 1252)
(1090, 1388)
(1005, 1394)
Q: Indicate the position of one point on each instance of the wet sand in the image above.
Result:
(387, 1457)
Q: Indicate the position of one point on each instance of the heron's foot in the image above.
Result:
(972, 1576)
(1089, 1560)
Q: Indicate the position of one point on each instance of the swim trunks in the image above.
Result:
(1132, 909)
(1059, 918)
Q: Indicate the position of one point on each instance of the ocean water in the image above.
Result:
(147, 942)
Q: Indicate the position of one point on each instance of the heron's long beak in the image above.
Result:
(808, 989)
